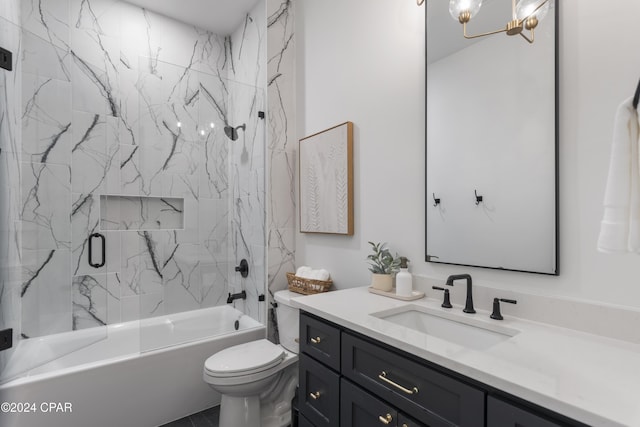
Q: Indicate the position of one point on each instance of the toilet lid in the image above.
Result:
(244, 359)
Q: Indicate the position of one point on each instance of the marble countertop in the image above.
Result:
(590, 378)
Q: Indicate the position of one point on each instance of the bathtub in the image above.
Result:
(143, 373)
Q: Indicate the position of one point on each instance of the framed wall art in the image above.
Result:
(326, 181)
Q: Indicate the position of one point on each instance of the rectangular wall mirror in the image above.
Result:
(492, 140)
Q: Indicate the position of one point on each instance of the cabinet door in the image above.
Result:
(319, 398)
(404, 421)
(360, 409)
(303, 422)
(320, 340)
(503, 414)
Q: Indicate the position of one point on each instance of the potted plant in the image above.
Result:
(383, 265)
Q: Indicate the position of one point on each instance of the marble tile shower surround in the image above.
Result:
(116, 100)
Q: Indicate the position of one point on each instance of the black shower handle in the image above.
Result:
(104, 248)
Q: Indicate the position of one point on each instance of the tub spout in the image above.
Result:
(240, 295)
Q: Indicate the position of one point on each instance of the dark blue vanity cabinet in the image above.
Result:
(350, 380)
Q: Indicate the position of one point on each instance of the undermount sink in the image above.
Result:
(464, 331)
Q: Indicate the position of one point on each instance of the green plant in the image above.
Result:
(381, 260)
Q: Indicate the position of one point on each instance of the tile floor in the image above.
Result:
(207, 418)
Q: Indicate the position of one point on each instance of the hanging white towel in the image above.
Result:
(620, 226)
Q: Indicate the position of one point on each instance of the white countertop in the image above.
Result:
(592, 379)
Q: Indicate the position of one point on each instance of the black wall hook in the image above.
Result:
(478, 198)
(436, 201)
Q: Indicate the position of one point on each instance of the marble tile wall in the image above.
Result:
(120, 101)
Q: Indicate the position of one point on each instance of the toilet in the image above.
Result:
(257, 380)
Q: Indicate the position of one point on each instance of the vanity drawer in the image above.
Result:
(320, 340)
(423, 393)
(360, 409)
(319, 393)
(503, 414)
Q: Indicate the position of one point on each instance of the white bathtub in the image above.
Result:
(119, 381)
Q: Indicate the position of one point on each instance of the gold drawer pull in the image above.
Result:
(316, 340)
(386, 420)
(383, 377)
(315, 396)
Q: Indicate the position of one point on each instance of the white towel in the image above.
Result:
(620, 226)
(309, 273)
(320, 274)
(304, 271)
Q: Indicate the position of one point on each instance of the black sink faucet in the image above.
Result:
(468, 306)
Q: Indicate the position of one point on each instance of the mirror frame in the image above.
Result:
(556, 17)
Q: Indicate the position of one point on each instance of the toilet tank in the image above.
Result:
(288, 320)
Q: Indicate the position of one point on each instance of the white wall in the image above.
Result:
(363, 60)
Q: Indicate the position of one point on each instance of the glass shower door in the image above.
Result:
(202, 152)
(57, 158)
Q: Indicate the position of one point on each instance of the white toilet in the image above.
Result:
(258, 379)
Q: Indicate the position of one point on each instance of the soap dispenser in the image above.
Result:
(404, 280)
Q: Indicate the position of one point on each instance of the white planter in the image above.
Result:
(382, 282)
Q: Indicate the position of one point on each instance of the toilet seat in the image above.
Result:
(244, 360)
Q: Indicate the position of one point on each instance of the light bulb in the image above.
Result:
(202, 132)
(212, 125)
(179, 124)
(525, 8)
(456, 7)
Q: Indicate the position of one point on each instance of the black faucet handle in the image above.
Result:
(243, 268)
(496, 307)
(447, 301)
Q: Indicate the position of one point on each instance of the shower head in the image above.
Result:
(232, 133)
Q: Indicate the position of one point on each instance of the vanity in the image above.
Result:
(367, 360)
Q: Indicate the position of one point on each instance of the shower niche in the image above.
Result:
(141, 213)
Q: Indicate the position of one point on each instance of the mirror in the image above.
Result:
(491, 157)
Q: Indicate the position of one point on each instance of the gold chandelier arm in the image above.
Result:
(530, 40)
(419, 2)
(475, 36)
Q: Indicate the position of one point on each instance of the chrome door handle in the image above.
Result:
(386, 420)
(383, 377)
(315, 396)
(316, 340)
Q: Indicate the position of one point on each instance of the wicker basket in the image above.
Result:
(307, 286)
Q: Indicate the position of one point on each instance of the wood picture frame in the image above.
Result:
(326, 181)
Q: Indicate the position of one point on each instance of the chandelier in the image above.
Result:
(526, 15)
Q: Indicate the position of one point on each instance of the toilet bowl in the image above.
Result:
(257, 380)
